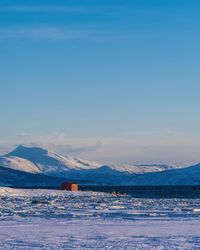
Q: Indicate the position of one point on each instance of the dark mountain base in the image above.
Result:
(20, 179)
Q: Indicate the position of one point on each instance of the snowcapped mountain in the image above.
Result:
(141, 169)
(37, 164)
(39, 160)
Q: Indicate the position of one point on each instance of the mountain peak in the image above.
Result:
(23, 150)
(48, 162)
(37, 160)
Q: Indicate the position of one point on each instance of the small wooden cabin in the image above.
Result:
(69, 186)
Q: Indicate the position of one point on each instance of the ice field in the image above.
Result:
(49, 219)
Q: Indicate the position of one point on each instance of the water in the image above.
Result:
(189, 192)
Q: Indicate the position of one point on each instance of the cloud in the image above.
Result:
(57, 141)
(43, 33)
(24, 135)
(64, 149)
(71, 150)
(160, 146)
(44, 8)
(57, 33)
(6, 148)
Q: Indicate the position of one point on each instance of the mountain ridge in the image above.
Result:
(40, 161)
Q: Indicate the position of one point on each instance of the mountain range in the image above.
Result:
(35, 166)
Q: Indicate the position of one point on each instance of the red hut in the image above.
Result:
(69, 186)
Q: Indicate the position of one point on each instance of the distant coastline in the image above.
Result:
(160, 192)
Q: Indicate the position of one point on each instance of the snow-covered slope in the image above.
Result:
(141, 169)
(35, 159)
(41, 165)
(18, 163)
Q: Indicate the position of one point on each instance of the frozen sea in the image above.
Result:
(49, 219)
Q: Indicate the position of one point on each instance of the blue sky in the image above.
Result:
(114, 81)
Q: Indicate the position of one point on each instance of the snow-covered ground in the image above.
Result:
(48, 219)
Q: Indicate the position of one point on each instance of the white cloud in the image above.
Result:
(160, 146)
(57, 141)
(44, 8)
(43, 33)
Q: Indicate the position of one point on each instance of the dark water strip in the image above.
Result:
(188, 192)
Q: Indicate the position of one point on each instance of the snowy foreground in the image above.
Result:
(48, 219)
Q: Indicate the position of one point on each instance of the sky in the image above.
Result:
(113, 81)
